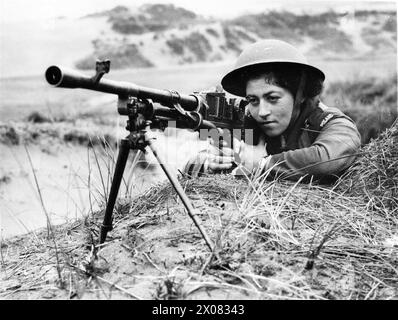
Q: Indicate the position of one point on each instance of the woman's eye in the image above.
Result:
(273, 98)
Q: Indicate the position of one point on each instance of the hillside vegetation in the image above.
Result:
(370, 102)
(165, 34)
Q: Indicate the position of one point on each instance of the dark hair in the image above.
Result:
(286, 76)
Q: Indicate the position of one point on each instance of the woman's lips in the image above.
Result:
(266, 123)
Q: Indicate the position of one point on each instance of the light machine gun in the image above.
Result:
(148, 108)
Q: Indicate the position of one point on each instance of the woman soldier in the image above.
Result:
(295, 134)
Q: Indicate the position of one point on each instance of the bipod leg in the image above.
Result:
(117, 179)
(180, 191)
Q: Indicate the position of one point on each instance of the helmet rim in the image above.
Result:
(233, 81)
(265, 53)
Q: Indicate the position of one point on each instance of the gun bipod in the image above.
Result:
(125, 146)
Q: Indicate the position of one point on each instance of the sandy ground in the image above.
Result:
(156, 252)
(61, 180)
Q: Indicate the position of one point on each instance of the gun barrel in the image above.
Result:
(68, 78)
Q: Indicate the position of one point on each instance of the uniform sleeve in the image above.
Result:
(333, 151)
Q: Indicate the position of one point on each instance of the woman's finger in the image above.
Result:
(227, 152)
(224, 143)
(220, 141)
(236, 145)
(213, 150)
(221, 159)
(219, 166)
(219, 144)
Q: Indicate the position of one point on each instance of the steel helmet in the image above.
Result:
(264, 52)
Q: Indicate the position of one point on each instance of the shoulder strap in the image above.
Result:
(320, 117)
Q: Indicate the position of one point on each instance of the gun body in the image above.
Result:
(216, 112)
(227, 114)
(139, 104)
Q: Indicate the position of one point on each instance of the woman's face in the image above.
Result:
(270, 105)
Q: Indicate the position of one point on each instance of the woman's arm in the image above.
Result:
(333, 151)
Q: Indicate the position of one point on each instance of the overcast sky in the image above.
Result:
(19, 10)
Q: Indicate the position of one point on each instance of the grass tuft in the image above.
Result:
(374, 176)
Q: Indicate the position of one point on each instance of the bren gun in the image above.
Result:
(148, 108)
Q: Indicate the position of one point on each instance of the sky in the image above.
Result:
(20, 10)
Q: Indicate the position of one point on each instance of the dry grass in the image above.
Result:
(374, 176)
(284, 241)
(274, 240)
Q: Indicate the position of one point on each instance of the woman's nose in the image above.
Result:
(264, 109)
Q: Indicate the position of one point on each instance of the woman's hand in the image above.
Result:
(251, 155)
(221, 157)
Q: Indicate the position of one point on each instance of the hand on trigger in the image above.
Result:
(251, 155)
(221, 157)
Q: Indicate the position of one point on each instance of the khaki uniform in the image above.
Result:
(321, 144)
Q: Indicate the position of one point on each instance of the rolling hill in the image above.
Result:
(165, 35)
(162, 35)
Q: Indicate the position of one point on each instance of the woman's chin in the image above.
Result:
(272, 132)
